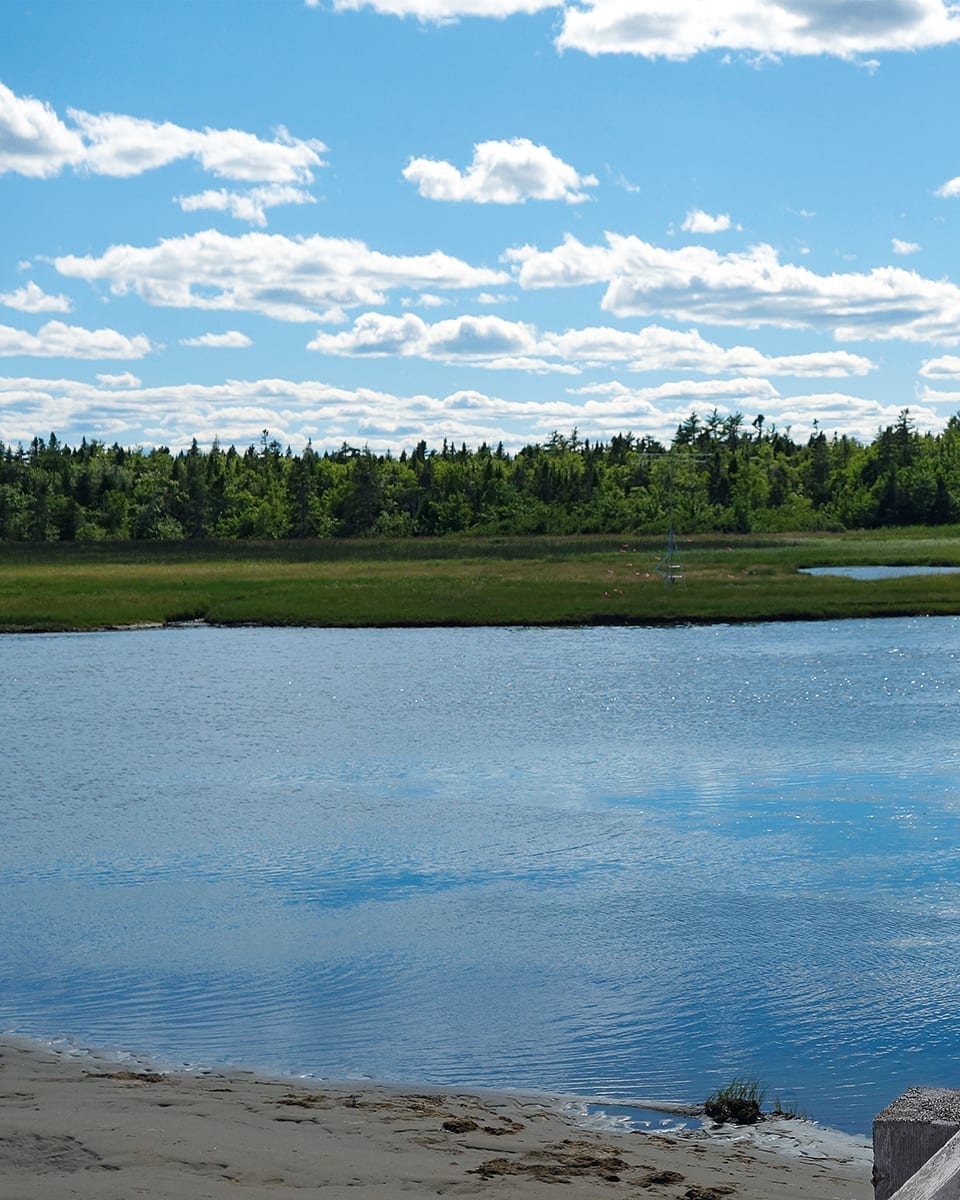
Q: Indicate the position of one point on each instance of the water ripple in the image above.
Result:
(621, 862)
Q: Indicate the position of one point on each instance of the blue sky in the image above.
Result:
(377, 221)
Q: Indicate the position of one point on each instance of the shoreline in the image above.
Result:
(98, 1126)
(601, 622)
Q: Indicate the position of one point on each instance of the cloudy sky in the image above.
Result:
(377, 221)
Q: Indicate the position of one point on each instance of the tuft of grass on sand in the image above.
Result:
(740, 1102)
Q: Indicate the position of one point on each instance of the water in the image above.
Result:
(868, 573)
(623, 862)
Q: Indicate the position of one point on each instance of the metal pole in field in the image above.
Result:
(669, 566)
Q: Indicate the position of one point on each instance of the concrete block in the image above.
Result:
(908, 1132)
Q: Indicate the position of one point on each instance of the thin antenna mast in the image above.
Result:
(669, 566)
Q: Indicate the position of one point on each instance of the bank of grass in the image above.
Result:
(482, 581)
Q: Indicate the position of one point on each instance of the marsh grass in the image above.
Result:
(739, 1103)
(494, 581)
(788, 1109)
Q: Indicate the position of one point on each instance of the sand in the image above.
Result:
(85, 1126)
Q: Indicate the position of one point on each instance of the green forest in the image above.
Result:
(719, 474)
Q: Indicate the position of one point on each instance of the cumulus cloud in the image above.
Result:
(833, 411)
(949, 189)
(929, 395)
(32, 299)
(441, 12)
(936, 396)
(290, 279)
(35, 141)
(236, 411)
(680, 29)
(492, 342)
(900, 247)
(57, 340)
(947, 366)
(701, 222)
(249, 206)
(659, 349)
(126, 379)
(753, 287)
(425, 300)
(488, 341)
(122, 145)
(666, 404)
(231, 340)
(510, 172)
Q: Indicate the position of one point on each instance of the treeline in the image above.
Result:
(718, 474)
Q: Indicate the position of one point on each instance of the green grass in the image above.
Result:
(482, 581)
(739, 1103)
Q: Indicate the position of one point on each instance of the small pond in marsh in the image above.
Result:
(879, 572)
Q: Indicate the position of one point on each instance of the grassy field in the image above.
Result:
(491, 581)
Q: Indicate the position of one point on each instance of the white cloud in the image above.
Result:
(249, 206)
(486, 341)
(680, 29)
(237, 411)
(900, 247)
(666, 404)
(290, 279)
(425, 300)
(753, 287)
(929, 395)
(949, 189)
(122, 146)
(34, 141)
(673, 402)
(489, 341)
(231, 340)
(659, 349)
(441, 12)
(701, 222)
(57, 340)
(32, 299)
(947, 366)
(621, 181)
(126, 379)
(509, 172)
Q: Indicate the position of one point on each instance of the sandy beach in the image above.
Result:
(85, 1126)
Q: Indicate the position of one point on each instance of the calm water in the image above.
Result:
(624, 861)
(868, 573)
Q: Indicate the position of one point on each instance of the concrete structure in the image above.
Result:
(916, 1146)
